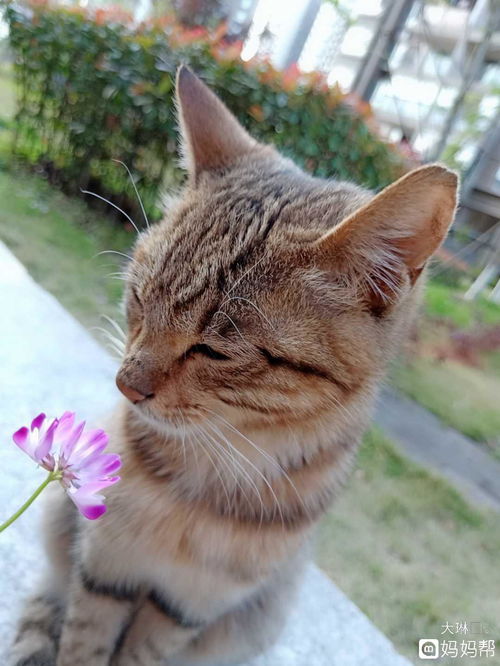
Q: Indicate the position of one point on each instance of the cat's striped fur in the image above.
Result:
(261, 314)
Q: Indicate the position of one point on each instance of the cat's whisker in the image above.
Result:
(236, 464)
(336, 402)
(121, 254)
(118, 276)
(98, 196)
(239, 466)
(183, 435)
(116, 326)
(247, 300)
(201, 441)
(117, 355)
(232, 322)
(262, 476)
(233, 287)
(263, 453)
(194, 451)
(282, 472)
(135, 189)
(117, 343)
(220, 451)
(114, 352)
(123, 274)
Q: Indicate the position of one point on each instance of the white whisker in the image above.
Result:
(262, 476)
(245, 274)
(121, 254)
(263, 453)
(98, 196)
(219, 451)
(114, 342)
(116, 326)
(183, 435)
(232, 322)
(117, 276)
(136, 190)
(245, 475)
(246, 300)
(216, 469)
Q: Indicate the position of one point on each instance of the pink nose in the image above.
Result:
(129, 392)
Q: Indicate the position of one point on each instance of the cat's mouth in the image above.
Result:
(176, 420)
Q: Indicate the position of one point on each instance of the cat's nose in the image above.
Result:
(138, 378)
(129, 391)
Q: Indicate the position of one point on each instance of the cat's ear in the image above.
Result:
(395, 233)
(212, 137)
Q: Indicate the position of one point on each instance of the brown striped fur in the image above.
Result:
(262, 312)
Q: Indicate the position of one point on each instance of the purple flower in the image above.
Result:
(75, 457)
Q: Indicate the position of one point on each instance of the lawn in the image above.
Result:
(58, 240)
(466, 398)
(409, 551)
(452, 367)
(7, 93)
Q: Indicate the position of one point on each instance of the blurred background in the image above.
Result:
(361, 90)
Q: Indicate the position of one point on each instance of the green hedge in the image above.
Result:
(93, 88)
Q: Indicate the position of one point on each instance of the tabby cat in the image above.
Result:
(261, 314)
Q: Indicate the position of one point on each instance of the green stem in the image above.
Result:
(51, 477)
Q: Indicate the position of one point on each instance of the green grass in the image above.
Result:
(409, 551)
(465, 398)
(58, 240)
(446, 303)
(55, 237)
(7, 94)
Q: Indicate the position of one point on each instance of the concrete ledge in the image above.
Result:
(49, 362)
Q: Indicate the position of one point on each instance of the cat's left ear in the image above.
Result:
(212, 137)
(393, 236)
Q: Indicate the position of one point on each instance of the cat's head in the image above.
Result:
(267, 296)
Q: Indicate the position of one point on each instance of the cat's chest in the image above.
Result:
(176, 556)
(161, 538)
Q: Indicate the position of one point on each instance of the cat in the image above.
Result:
(262, 312)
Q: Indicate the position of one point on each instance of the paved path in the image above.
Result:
(47, 361)
(426, 440)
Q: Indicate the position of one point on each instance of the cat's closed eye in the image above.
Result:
(135, 297)
(207, 351)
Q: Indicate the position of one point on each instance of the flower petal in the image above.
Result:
(22, 438)
(100, 466)
(94, 512)
(88, 500)
(45, 444)
(73, 439)
(38, 421)
(90, 506)
(92, 444)
(66, 423)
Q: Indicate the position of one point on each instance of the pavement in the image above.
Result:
(48, 362)
(431, 443)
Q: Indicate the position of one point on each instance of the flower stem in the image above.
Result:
(51, 477)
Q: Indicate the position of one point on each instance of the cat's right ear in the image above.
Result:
(212, 138)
